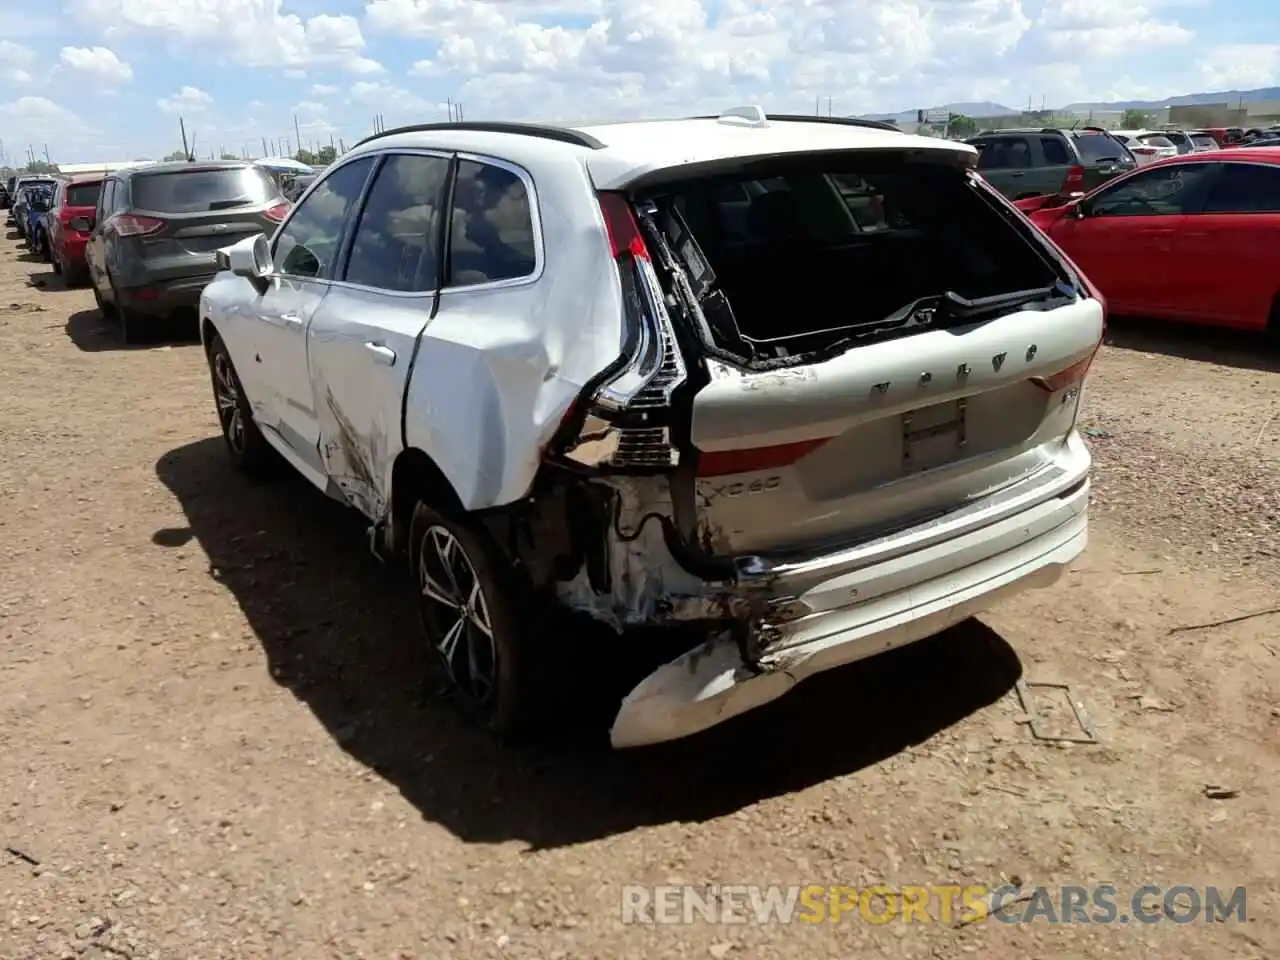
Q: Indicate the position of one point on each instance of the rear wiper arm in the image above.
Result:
(953, 305)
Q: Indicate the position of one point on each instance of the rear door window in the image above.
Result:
(83, 194)
(1055, 152)
(394, 246)
(1245, 188)
(203, 190)
(492, 233)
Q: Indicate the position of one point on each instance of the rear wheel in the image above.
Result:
(470, 602)
(57, 264)
(132, 323)
(248, 449)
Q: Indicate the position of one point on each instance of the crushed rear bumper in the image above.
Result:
(829, 611)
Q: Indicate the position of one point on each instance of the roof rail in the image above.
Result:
(741, 112)
(542, 130)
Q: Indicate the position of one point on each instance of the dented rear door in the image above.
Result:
(887, 435)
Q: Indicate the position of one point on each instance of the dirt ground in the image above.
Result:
(216, 742)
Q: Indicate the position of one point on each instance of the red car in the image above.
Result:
(1189, 238)
(75, 204)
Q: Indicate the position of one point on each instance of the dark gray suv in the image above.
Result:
(157, 231)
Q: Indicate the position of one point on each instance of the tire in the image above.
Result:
(102, 304)
(495, 677)
(42, 241)
(57, 265)
(248, 449)
(132, 324)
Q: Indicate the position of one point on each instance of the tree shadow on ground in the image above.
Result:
(339, 631)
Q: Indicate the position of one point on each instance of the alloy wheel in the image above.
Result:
(227, 393)
(456, 605)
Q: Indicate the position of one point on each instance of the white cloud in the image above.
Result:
(186, 100)
(100, 63)
(323, 89)
(40, 121)
(1240, 66)
(253, 33)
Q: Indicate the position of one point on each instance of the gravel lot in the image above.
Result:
(215, 741)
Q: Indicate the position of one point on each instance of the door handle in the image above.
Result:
(381, 352)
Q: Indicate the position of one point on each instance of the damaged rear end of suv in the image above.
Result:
(845, 420)
(792, 391)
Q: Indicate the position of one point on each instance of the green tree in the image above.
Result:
(176, 155)
(227, 155)
(40, 166)
(305, 156)
(1134, 119)
(326, 155)
(962, 126)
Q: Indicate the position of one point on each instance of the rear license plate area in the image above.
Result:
(933, 436)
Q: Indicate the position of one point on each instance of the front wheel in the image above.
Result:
(470, 602)
(248, 449)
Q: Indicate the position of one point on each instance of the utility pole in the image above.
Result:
(186, 150)
(817, 106)
(47, 158)
(297, 133)
(828, 106)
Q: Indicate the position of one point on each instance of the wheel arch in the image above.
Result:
(416, 476)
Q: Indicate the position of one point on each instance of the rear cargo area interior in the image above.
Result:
(800, 249)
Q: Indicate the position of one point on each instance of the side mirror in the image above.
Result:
(1080, 208)
(249, 258)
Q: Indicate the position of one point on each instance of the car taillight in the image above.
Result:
(277, 212)
(719, 464)
(1074, 180)
(133, 225)
(623, 421)
(1144, 151)
(1065, 378)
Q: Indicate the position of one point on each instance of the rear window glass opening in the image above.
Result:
(83, 194)
(200, 191)
(786, 261)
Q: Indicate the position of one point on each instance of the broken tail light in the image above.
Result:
(134, 225)
(626, 418)
(277, 212)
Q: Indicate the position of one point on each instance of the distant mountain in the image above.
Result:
(983, 108)
(986, 108)
(1186, 100)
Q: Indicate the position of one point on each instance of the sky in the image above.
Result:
(101, 80)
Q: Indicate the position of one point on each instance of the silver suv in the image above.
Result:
(809, 386)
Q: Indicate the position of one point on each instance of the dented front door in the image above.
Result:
(360, 349)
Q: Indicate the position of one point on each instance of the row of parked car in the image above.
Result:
(806, 387)
(144, 238)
